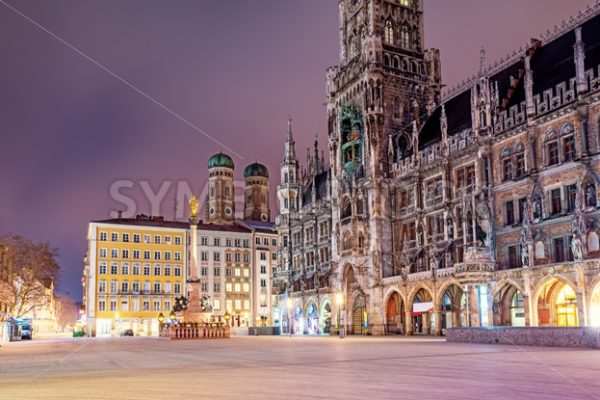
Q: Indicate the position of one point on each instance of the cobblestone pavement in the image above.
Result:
(293, 368)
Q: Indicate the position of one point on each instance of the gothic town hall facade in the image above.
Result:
(476, 207)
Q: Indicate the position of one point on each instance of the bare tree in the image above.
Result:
(33, 268)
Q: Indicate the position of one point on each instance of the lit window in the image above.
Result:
(405, 37)
(389, 32)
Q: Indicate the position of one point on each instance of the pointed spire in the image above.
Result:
(482, 61)
(290, 150)
(317, 163)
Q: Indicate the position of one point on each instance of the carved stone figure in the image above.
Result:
(590, 196)
(537, 208)
(577, 248)
(450, 227)
(525, 255)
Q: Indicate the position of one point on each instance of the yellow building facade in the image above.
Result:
(135, 268)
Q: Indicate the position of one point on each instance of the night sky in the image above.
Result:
(235, 69)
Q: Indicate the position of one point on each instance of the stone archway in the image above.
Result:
(557, 304)
(312, 318)
(359, 325)
(297, 324)
(395, 314)
(509, 306)
(285, 321)
(325, 320)
(452, 310)
(422, 307)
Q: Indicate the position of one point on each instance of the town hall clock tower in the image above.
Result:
(385, 81)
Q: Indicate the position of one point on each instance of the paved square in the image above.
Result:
(294, 368)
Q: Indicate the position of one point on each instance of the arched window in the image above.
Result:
(552, 154)
(389, 32)
(346, 209)
(506, 162)
(519, 160)
(353, 49)
(386, 59)
(568, 142)
(396, 62)
(405, 37)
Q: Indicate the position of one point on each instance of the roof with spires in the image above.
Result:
(552, 63)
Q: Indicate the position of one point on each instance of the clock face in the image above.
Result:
(228, 211)
(263, 217)
(211, 211)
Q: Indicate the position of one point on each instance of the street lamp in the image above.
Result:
(227, 317)
(172, 316)
(339, 299)
(289, 308)
(161, 320)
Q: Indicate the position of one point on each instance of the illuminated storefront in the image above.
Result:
(557, 305)
(312, 319)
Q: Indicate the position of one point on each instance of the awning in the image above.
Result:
(422, 307)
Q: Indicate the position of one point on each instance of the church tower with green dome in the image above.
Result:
(220, 207)
(256, 193)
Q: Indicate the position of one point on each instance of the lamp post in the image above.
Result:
(467, 306)
(289, 309)
(339, 298)
(172, 316)
(227, 317)
(161, 320)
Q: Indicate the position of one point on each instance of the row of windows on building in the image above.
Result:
(558, 149)
(146, 305)
(229, 272)
(232, 242)
(135, 287)
(311, 259)
(135, 254)
(434, 190)
(560, 200)
(156, 305)
(560, 251)
(137, 269)
(230, 287)
(137, 237)
(309, 234)
(235, 257)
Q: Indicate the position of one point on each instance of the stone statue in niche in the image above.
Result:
(536, 206)
(590, 196)
(483, 221)
(577, 247)
(432, 259)
(450, 227)
(525, 255)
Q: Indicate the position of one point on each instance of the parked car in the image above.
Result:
(25, 332)
(127, 332)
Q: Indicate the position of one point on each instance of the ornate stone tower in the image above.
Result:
(386, 80)
(256, 193)
(289, 189)
(220, 208)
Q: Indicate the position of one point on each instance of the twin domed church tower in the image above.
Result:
(220, 202)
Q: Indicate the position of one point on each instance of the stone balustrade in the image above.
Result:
(192, 331)
(528, 336)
